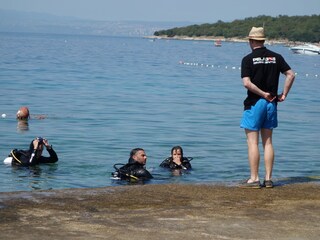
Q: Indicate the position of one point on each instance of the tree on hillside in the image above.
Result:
(295, 28)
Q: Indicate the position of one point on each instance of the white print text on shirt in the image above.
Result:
(264, 60)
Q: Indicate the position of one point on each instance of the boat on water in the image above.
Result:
(308, 49)
(217, 43)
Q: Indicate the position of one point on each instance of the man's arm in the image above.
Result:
(253, 88)
(290, 76)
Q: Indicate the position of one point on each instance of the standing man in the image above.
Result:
(260, 71)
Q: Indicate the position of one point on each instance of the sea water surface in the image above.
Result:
(104, 96)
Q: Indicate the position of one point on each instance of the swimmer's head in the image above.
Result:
(23, 113)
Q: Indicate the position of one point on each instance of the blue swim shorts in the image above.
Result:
(262, 115)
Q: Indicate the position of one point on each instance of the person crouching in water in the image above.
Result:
(177, 160)
(33, 156)
(135, 169)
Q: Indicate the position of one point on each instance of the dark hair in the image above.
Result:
(134, 151)
(177, 148)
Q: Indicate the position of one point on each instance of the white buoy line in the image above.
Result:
(209, 65)
(307, 75)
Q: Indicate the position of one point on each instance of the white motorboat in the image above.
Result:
(217, 43)
(308, 49)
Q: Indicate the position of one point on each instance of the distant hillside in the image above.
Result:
(19, 21)
(295, 28)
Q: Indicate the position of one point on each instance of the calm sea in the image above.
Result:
(104, 96)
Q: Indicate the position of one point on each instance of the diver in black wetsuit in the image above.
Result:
(177, 161)
(33, 156)
(135, 168)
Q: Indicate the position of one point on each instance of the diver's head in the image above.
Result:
(139, 155)
(38, 145)
(177, 151)
(23, 113)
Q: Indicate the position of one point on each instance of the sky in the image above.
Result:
(198, 11)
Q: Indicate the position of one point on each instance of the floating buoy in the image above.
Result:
(307, 75)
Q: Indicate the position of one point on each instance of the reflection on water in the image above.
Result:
(34, 177)
(23, 126)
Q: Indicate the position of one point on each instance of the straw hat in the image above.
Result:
(257, 33)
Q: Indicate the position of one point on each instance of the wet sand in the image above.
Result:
(163, 212)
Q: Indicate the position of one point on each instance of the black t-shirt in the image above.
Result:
(263, 67)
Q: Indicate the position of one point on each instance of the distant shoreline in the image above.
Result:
(223, 39)
(201, 38)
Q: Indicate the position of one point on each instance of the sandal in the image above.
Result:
(254, 185)
(268, 184)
